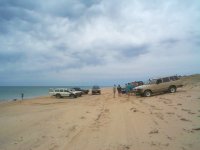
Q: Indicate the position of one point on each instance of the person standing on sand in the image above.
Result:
(128, 89)
(22, 95)
(119, 90)
(114, 90)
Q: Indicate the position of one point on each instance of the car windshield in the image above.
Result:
(51, 90)
(67, 90)
(96, 87)
(151, 81)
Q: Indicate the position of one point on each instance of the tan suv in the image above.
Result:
(158, 85)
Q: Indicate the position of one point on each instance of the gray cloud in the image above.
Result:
(97, 39)
(134, 51)
(11, 57)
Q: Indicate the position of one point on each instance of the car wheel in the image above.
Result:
(172, 89)
(58, 96)
(147, 93)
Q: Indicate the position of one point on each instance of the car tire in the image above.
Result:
(147, 93)
(172, 89)
(58, 96)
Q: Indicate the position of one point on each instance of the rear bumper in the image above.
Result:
(85, 91)
(96, 92)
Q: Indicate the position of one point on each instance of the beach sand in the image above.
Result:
(101, 122)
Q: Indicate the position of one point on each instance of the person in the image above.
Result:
(114, 90)
(119, 90)
(22, 95)
(132, 86)
(128, 89)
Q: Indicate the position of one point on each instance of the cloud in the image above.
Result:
(97, 40)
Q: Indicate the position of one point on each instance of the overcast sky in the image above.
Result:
(85, 42)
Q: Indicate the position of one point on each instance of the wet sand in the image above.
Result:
(101, 122)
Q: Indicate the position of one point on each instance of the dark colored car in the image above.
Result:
(96, 90)
(84, 91)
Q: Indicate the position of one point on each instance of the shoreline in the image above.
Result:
(38, 94)
(25, 99)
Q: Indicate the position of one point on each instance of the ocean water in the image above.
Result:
(14, 92)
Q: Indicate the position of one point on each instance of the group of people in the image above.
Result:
(119, 90)
(128, 89)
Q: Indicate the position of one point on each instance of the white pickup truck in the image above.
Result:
(78, 93)
(62, 92)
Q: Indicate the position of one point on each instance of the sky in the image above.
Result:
(105, 42)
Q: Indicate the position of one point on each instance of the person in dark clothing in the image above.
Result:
(114, 91)
(128, 89)
(119, 90)
(22, 95)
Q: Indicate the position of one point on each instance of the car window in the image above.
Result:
(96, 87)
(50, 90)
(166, 79)
(176, 78)
(61, 90)
(153, 81)
(159, 81)
(57, 90)
(65, 90)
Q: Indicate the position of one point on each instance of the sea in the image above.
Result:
(8, 93)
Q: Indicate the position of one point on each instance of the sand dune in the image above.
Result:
(101, 122)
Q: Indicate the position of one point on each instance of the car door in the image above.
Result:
(61, 92)
(157, 87)
(165, 84)
(66, 92)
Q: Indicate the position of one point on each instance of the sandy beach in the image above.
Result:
(101, 122)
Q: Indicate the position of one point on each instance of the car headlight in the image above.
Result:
(138, 89)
